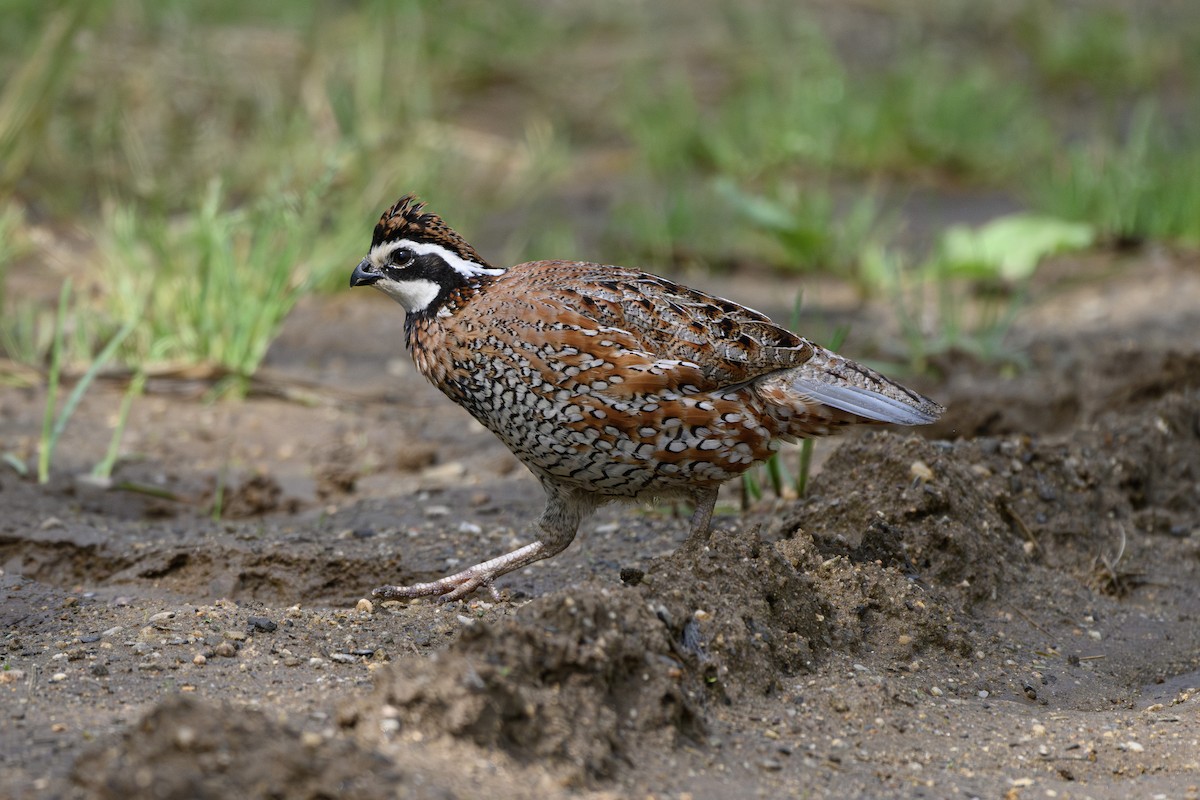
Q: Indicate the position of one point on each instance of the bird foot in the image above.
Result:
(448, 589)
(461, 584)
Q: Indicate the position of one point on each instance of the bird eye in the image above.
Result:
(403, 257)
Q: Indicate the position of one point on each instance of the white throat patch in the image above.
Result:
(378, 257)
(414, 295)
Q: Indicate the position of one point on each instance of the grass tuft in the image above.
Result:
(214, 287)
(1146, 187)
(53, 425)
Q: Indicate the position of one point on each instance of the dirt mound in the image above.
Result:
(188, 748)
(741, 615)
(916, 506)
(959, 528)
(579, 678)
(586, 678)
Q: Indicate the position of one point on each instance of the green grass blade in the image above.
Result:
(777, 474)
(751, 489)
(16, 463)
(85, 381)
(804, 467)
(104, 469)
(46, 444)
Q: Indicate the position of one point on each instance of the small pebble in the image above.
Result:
(1134, 747)
(185, 737)
(199, 660)
(343, 658)
(162, 616)
(935, 691)
(921, 471)
(262, 624)
(632, 576)
(58, 676)
(225, 650)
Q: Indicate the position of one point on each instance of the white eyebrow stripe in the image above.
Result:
(456, 262)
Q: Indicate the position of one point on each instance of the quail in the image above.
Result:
(608, 383)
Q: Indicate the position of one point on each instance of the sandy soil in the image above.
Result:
(1006, 606)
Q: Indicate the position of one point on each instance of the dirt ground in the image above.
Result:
(1004, 605)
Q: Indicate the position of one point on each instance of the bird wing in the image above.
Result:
(639, 334)
(725, 343)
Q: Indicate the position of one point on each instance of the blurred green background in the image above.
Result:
(196, 168)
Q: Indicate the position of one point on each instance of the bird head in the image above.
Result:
(417, 259)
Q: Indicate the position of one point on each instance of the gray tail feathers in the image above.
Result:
(842, 384)
(907, 409)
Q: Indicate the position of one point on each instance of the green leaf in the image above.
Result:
(1010, 247)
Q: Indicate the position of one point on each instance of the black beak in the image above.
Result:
(362, 275)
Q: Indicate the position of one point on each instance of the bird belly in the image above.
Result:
(654, 444)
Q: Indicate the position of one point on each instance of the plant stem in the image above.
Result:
(46, 444)
(104, 468)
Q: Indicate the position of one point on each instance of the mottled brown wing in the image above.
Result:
(728, 343)
(553, 345)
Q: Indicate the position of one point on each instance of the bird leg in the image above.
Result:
(705, 500)
(558, 523)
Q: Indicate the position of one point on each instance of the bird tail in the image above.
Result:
(829, 391)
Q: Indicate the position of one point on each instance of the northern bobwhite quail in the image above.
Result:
(607, 382)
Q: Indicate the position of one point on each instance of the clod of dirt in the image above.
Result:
(741, 616)
(191, 749)
(258, 494)
(339, 473)
(415, 456)
(917, 506)
(579, 680)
